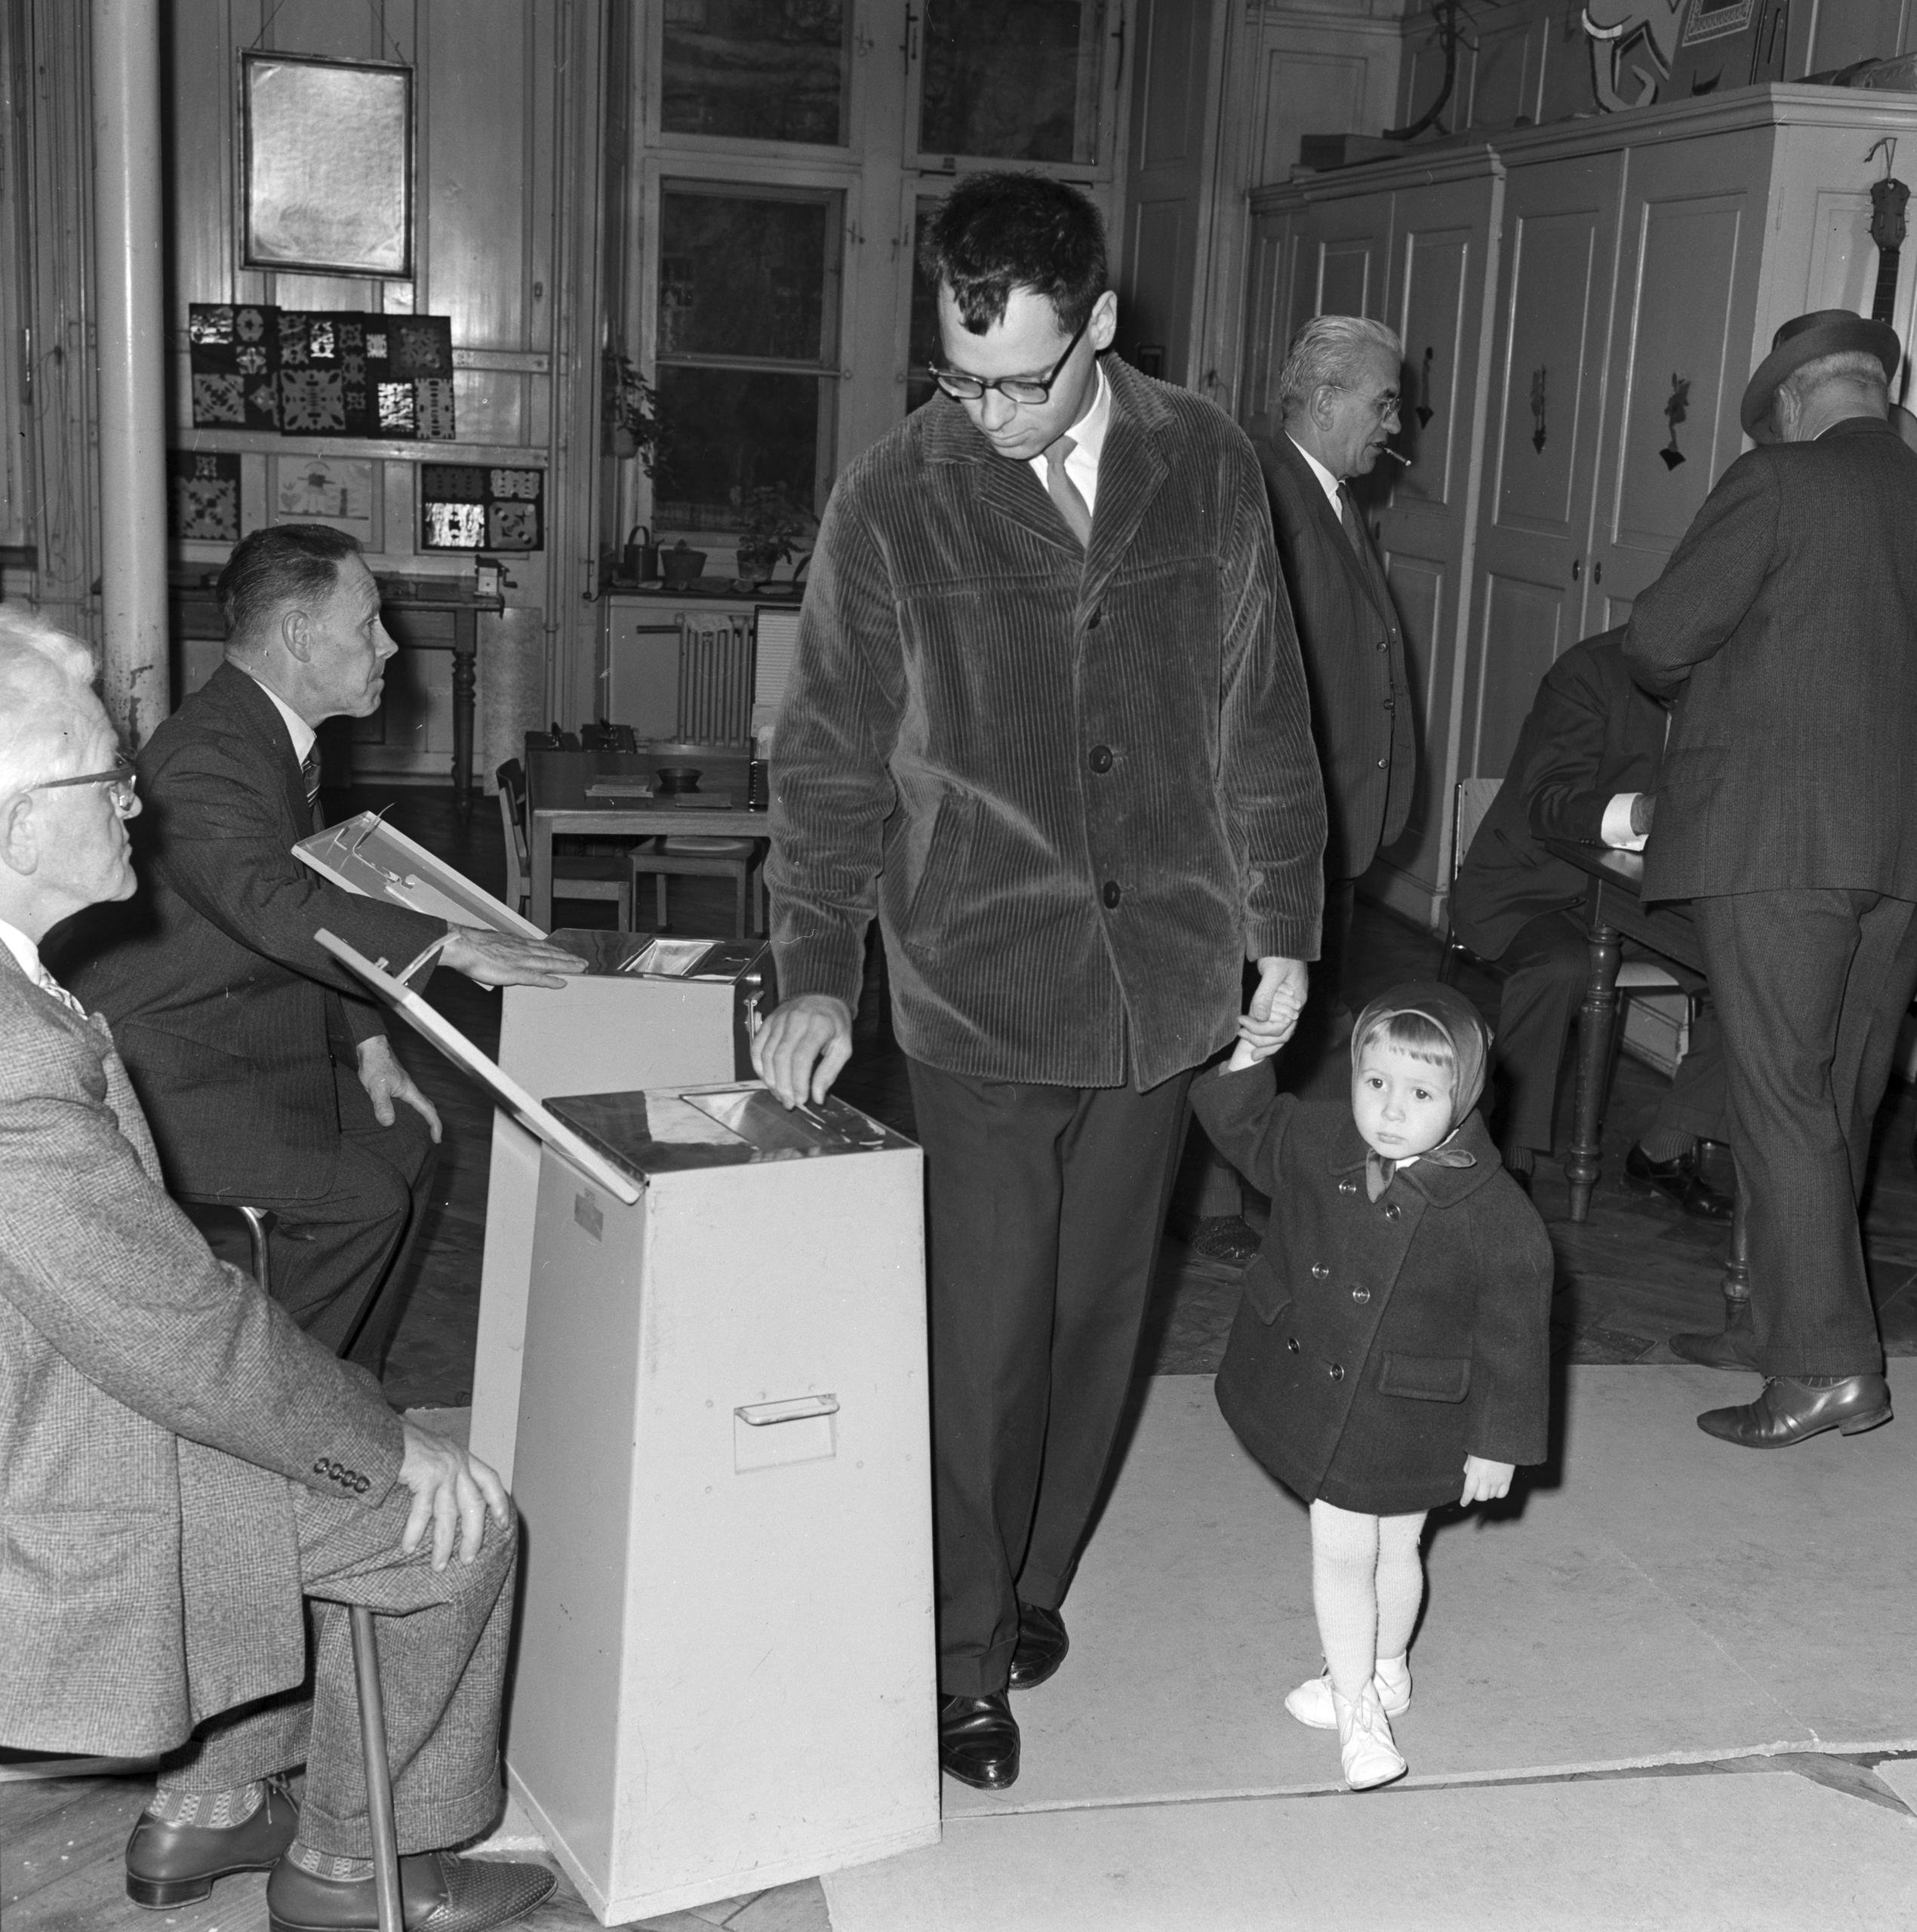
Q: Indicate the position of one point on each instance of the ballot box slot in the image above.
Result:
(803, 1428)
(652, 956)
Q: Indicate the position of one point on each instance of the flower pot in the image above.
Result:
(681, 565)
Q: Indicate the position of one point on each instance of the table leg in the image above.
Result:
(465, 662)
(539, 908)
(1597, 1025)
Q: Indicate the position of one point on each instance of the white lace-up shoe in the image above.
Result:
(1310, 1703)
(1370, 1758)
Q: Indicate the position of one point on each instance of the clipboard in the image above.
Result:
(536, 1118)
(371, 859)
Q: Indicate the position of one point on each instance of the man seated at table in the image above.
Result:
(180, 1465)
(1586, 768)
(266, 1072)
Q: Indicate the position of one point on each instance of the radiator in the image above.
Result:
(716, 681)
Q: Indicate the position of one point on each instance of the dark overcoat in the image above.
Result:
(1380, 1343)
(230, 1013)
(1076, 786)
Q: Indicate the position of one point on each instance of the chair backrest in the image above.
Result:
(1474, 800)
(513, 825)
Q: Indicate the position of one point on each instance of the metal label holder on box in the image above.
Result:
(372, 859)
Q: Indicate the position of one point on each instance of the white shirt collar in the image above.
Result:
(1326, 481)
(24, 950)
(303, 733)
(1087, 436)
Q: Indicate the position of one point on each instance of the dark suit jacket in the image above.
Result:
(1591, 734)
(156, 1411)
(1354, 653)
(1077, 786)
(1787, 618)
(228, 1013)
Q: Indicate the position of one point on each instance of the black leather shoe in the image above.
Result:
(172, 1864)
(438, 1892)
(1678, 1181)
(978, 1743)
(1042, 1644)
(1227, 1238)
(1789, 1410)
(1733, 1346)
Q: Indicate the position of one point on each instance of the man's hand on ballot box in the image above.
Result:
(800, 1049)
(499, 959)
(453, 1493)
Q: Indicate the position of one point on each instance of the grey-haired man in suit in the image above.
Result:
(182, 1467)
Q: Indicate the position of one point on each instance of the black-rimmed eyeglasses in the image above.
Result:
(121, 783)
(963, 388)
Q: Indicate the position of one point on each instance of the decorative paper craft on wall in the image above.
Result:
(471, 507)
(327, 165)
(320, 372)
(203, 494)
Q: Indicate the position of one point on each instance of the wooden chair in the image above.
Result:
(590, 875)
(689, 856)
(1473, 800)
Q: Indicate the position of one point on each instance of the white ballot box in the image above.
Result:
(650, 1011)
(726, 1676)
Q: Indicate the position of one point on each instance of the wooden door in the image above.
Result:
(1441, 273)
(1557, 265)
(1343, 246)
(1268, 315)
(1693, 238)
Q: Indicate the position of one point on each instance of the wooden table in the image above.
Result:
(1614, 911)
(557, 802)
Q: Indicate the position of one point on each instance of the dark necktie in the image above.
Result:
(1072, 506)
(1348, 516)
(309, 782)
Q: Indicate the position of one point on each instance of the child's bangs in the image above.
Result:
(1412, 1033)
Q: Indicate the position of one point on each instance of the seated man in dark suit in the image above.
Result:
(1586, 768)
(180, 1467)
(266, 1074)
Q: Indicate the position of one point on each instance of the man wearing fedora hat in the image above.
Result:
(1785, 626)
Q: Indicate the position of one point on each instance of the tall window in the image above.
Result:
(757, 70)
(1012, 80)
(748, 327)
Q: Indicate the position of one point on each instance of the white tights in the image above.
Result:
(1367, 1583)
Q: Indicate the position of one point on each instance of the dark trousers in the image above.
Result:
(337, 1256)
(1811, 986)
(1547, 967)
(442, 1641)
(1045, 1205)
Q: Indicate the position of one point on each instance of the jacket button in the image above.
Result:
(362, 1484)
(1337, 1371)
(1111, 893)
(1100, 759)
(1347, 1187)
(1391, 1210)
(1291, 1345)
(1319, 1271)
(1382, 762)
(319, 1467)
(1360, 1295)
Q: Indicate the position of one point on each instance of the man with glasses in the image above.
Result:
(180, 1466)
(266, 1074)
(1047, 722)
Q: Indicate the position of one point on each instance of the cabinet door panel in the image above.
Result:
(1265, 336)
(1419, 590)
(1438, 298)
(1524, 630)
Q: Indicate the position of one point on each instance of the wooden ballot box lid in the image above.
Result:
(646, 1134)
(662, 956)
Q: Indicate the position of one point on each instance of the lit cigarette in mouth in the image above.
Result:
(1396, 456)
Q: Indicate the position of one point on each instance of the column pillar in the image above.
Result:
(128, 235)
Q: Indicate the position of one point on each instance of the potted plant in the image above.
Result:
(771, 529)
(631, 412)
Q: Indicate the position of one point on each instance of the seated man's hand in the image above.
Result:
(453, 1491)
(499, 959)
(386, 1082)
(799, 1050)
(1485, 1482)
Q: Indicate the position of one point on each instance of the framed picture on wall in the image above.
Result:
(327, 165)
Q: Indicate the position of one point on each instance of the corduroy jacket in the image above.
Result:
(1077, 787)
(1378, 1343)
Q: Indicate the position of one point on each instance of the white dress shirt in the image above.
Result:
(303, 733)
(1087, 436)
(1326, 481)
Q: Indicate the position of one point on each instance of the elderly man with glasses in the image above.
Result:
(180, 1465)
(1048, 722)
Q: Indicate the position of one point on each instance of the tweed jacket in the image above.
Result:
(228, 1012)
(1591, 734)
(1378, 1344)
(1353, 652)
(1077, 786)
(155, 1410)
(1787, 620)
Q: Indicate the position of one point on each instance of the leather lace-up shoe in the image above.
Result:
(1366, 1748)
(1042, 1644)
(1678, 1180)
(174, 1865)
(978, 1741)
(1790, 1409)
(439, 1892)
(1229, 1238)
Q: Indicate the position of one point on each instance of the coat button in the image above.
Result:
(1319, 1271)
(1337, 1371)
(1111, 893)
(319, 1467)
(1391, 1210)
(1100, 758)
(1291, 1345)
(1360, 1295)
(1382, 762)
(1347, 1187)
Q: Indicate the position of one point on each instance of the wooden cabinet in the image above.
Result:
(1581, 306)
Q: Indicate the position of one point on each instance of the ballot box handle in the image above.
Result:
(762, 1415)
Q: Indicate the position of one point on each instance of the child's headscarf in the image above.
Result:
(1458, 1020)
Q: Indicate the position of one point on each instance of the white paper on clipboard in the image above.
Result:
(505, 1091)
(373, 860)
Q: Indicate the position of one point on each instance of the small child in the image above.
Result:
(1391, 1352)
